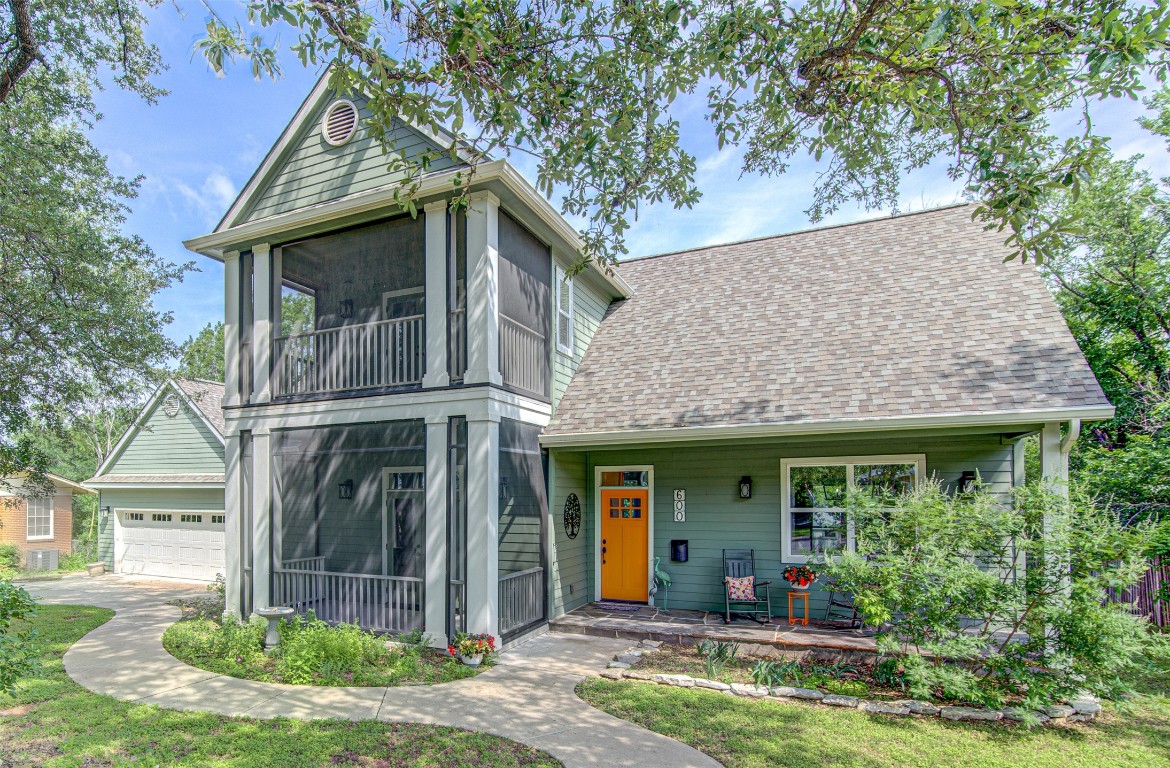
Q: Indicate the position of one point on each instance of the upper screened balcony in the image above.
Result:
(362, 310)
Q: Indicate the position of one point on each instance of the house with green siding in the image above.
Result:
(441, 422)
(161, 488)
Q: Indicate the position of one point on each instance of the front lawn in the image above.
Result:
(743, 733)
(311, 653)
(54, 722)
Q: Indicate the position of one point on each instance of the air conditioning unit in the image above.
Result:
(41, 559)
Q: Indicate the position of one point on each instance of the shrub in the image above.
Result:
(10, 557)
(770, 673)
(18, 656)
(716, 654)
(74, 561)
(310, 648)
(844, 687)
(936, 574)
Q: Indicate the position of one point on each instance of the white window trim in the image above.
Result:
(848, 462)
(52, 514)
(561, 282)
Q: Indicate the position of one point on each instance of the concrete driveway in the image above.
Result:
(529, 696)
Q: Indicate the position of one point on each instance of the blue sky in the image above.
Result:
(198, 146)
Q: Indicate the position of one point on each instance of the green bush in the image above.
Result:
(74, 561)
(18, 656)
(716, 654)
(310, 648)
(936, 574)
(10, 557)
(770, 673)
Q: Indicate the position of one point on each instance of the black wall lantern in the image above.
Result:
(745, 487)
(345, 490)
(967, 480)
(345, 309)
(503, 489)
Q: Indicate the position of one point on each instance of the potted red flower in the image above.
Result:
(800, 576)
(472, 648)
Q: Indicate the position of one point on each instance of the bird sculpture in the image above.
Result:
(661, 579)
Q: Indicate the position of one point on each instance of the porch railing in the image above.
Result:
(388, 353)
(380, 603)
(521, 600)
(523, 362)
(457, 343)
(305, 564)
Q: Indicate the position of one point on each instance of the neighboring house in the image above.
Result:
(39, 522)
(434, 423)
(162, 494)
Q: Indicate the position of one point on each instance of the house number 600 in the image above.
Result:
(680, 506)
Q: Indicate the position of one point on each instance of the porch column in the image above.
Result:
(261, 519)
(231, 328)
(483, 522)
(483, 322)
(233, 557)
(436, 294)
(437, 584)
(261, 322)
(1054, 457)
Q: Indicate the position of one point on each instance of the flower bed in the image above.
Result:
(311, 652)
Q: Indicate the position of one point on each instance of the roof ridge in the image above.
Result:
(803, 231)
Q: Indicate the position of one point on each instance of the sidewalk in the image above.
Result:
(527, 697)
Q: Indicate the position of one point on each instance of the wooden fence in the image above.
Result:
(1148, 596)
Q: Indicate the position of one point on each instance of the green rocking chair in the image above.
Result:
(738, 563)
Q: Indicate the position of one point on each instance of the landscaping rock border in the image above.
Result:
(1083, 709)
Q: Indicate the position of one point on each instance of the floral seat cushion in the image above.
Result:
(743, 588)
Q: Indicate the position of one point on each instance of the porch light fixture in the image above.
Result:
(745, 487)
(967, 480)
(345, 490)
(106, 511)
(503, 488)
(345, 309)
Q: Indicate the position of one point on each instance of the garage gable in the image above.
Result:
(171, 437)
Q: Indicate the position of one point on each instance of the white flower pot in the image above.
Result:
(471, 661)
(799, 588)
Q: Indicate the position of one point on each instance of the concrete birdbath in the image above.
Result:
(274, 615)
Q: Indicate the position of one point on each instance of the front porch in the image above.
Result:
(691, 627)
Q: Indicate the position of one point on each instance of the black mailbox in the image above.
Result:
(678, 551)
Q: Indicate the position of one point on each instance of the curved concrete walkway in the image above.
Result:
(527, 697)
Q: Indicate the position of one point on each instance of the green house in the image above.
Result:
(433, 422)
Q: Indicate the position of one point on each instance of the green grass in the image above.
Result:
(54, 722)
(190, 640)
(744, 733)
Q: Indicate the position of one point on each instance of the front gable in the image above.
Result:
(303, 169)
(169, 440)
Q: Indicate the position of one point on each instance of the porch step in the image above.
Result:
(777, 638)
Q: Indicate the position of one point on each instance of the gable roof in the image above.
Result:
(910, 320)
(56, 480)
(204, 398)
(358, 165)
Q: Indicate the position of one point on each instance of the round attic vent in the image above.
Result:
(340, 122)
(171, 405)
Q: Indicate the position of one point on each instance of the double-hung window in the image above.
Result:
(39, 521)
(563, 286)
(814, 519)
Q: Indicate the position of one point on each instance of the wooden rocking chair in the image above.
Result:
(738, 563)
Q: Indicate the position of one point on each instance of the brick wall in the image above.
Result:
(13, 517)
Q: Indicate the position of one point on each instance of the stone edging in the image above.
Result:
(1081, 710)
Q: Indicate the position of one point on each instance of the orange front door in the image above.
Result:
(625, 527)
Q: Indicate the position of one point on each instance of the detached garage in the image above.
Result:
(162, 504)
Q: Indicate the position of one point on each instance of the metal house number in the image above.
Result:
(572, 516)
(680, 506)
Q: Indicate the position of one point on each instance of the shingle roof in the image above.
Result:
(901, 317)
(208, 398)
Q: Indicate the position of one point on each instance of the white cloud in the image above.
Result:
(213, 197)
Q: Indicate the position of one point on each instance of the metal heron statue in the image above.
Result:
(661, 579)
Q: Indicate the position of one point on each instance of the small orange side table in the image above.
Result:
(795, 595)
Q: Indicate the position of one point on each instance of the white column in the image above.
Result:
(483, 522)
(233, 539)
(435, 616)
(436, 294)
(231, 328)
(483, 322)
(261, 323)
(261, 519)
(1053, 461)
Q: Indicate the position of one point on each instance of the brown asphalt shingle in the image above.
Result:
(912, 315)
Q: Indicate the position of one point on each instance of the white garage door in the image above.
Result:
(184, 545)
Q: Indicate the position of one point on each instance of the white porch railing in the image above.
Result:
(523, 362)
(305, 564)
(388, 353)
(521, 599)
(457, 343)
(380, 603)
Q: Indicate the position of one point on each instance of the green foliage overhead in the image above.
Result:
(874, 89)
(988, 601)
(76, 319)
(201, 356)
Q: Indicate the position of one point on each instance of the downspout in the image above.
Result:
(1074, 431)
